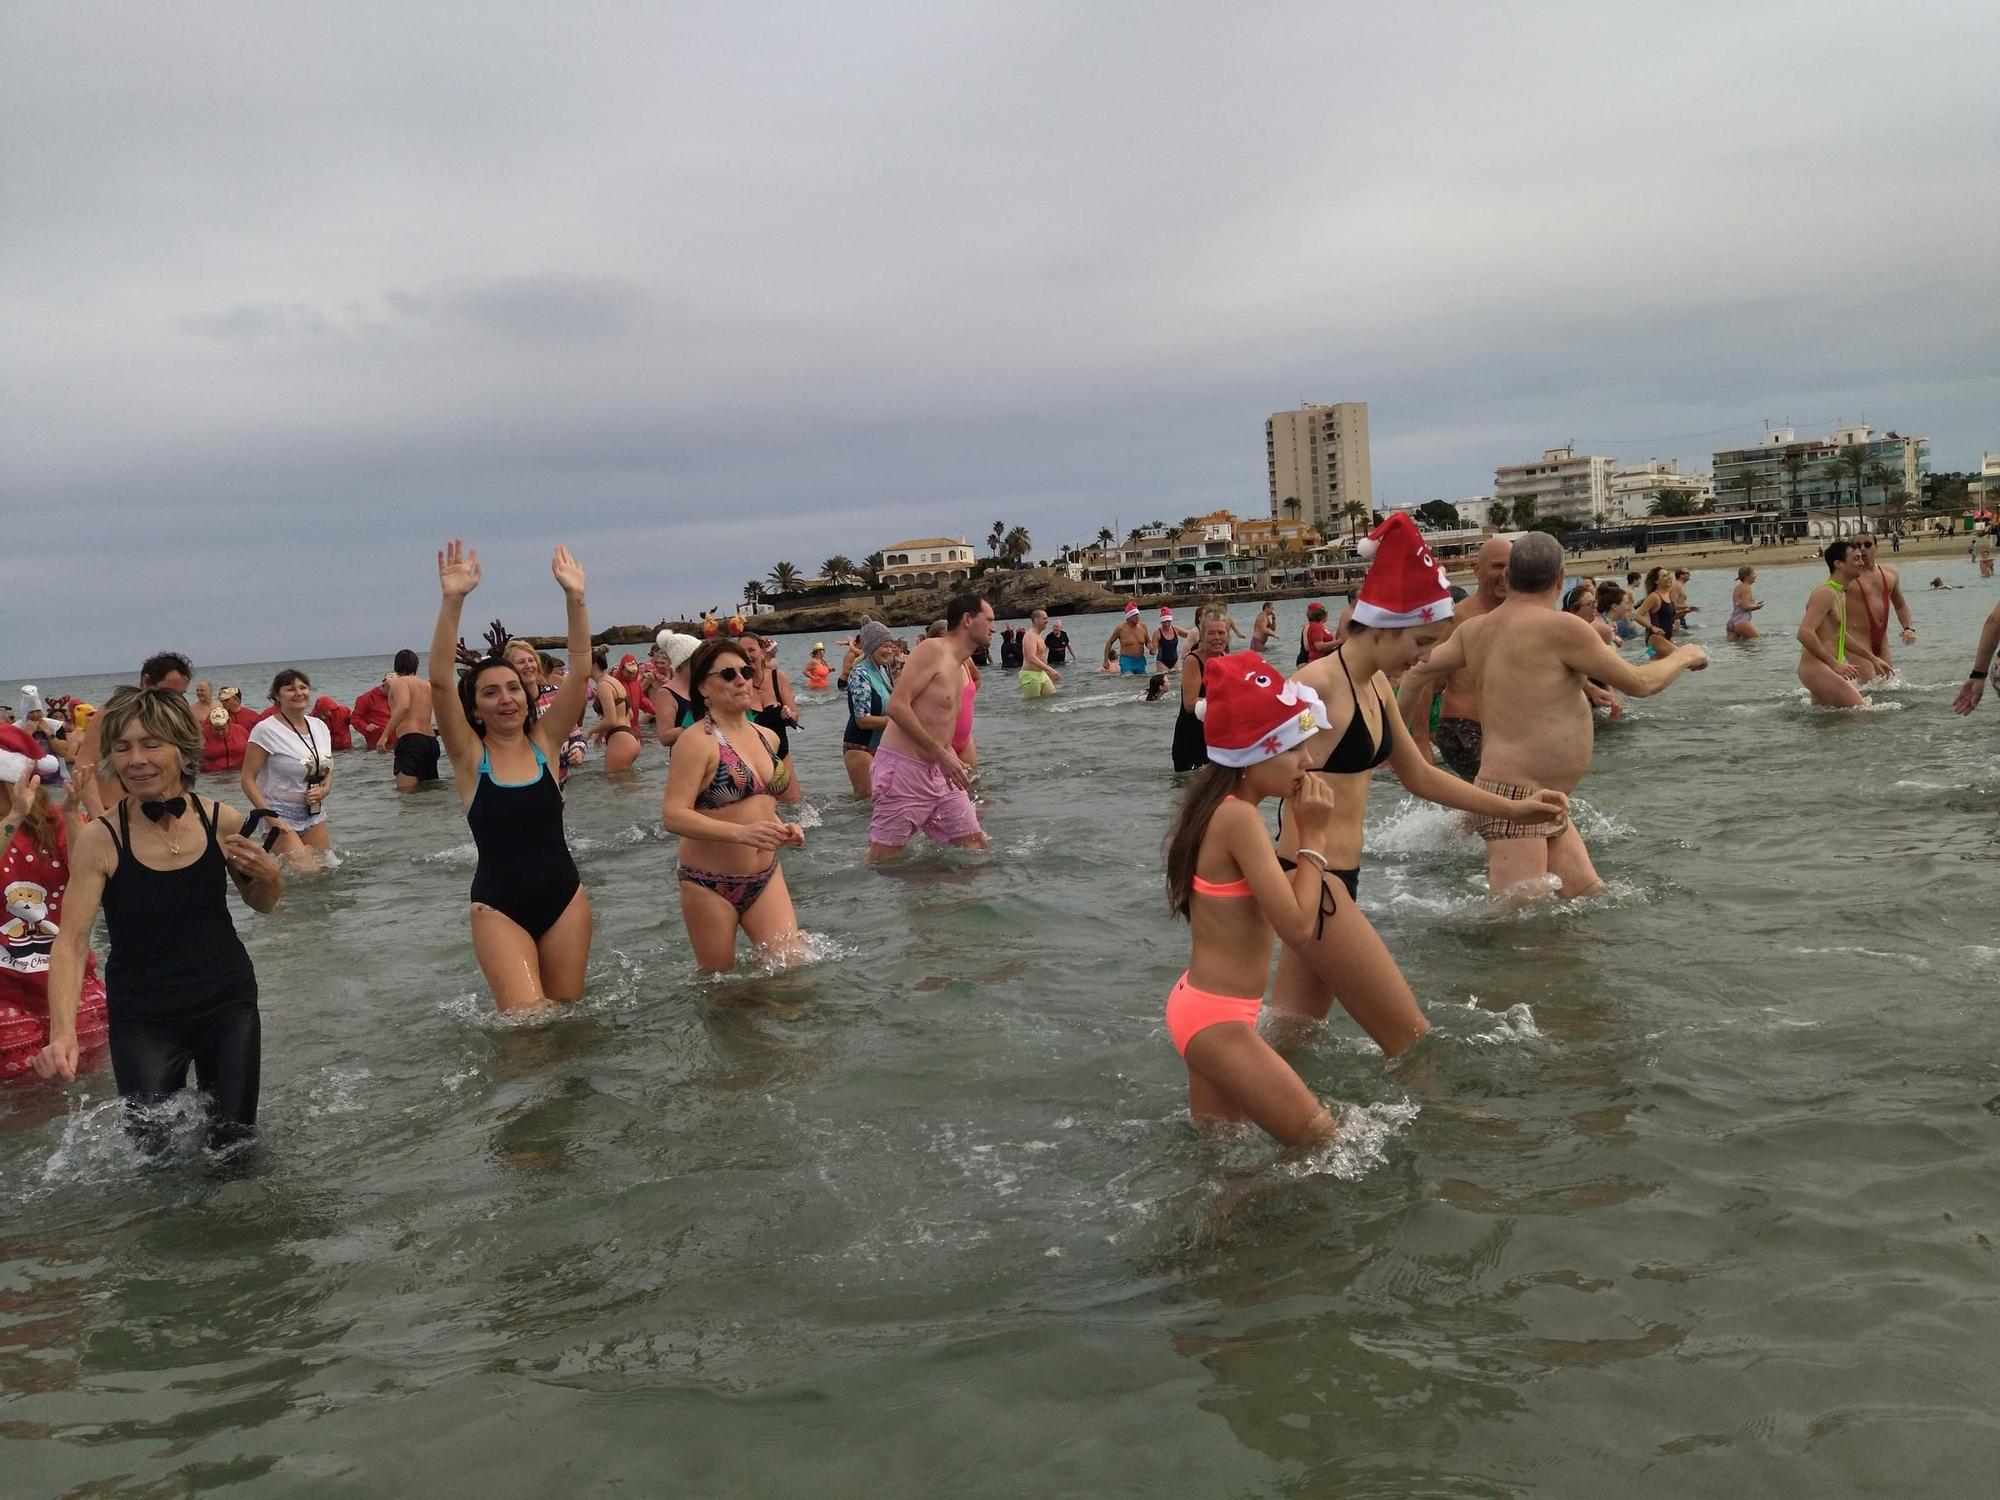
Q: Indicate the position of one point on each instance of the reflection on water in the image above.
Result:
(925, 1213)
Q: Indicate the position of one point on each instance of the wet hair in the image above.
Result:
(1535, 564)
(702, 663)
(1156, 687)
(285, 679)
(160, 712)
(1210, 788)
(1653, 578)
(468, 692)
(1836, 553)
(959, 606)
(406, 662)
(155, 669)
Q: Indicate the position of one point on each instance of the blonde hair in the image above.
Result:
(159, 712)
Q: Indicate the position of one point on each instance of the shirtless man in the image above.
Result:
(1528, 663)
(1038, 678)
(1458, 732)
(411, 734)
(1682, 609)
(916, 778)
(1265, 626)
(1131, 642)
(1878, 588)
(1824, 665)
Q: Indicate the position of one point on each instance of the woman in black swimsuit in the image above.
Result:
(1350, 962)
(530, 917)
(775, 707)
(1190, 744)
(179, 988)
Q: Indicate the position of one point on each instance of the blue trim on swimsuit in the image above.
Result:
(486, 767)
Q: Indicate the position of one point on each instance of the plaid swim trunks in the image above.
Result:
(1500, 828)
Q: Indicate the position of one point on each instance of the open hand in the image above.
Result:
(27, 792)
(568, 571)
(458, 570)
(1969, 695)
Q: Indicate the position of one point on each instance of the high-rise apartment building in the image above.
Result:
(1563, 483)
(1318, 456)
(1784, 472)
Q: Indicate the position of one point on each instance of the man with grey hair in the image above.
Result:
(1529, 662)
(1458, 731)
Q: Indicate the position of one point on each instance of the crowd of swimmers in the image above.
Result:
(1480, 700)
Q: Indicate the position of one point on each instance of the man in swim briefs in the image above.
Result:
(1878, 589)
(916, 778)
(1038, 679)
(1529, 662)
(411, 734)
(1132, 642)
(1264, 627)
(1458, 732)
(1824, 665)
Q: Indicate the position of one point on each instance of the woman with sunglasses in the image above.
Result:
(724, 785)
(288, 771)
(530, 917)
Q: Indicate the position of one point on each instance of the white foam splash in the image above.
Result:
(1360, 1142)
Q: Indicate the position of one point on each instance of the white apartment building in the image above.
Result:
(1563, 484)
(1318, 456)
(1785, 472)
(1636, 488)
(927, 562)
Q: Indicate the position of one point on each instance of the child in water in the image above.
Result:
(1223, 876)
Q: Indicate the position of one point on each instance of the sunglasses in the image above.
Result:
(734, 674)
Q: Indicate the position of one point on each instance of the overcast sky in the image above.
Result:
(291, 294)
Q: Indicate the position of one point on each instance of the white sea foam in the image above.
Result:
(1360, 1142)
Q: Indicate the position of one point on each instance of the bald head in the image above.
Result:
(1490, 568)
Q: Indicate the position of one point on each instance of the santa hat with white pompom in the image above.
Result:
(20, 755)
(1405, 586)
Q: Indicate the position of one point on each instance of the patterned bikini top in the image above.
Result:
(734, 777)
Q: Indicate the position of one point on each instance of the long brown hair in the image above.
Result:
(42, 821)
(1210, 788)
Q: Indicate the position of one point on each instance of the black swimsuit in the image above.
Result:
(1190, 739)
(525, 871)
(1354, 752)
(179, 988)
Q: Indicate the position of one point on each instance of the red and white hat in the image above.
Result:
(1131, 609)
(1253, 712)
(1165, 613)
(1405, 586)
(21, 753)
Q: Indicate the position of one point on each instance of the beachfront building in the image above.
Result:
(1637, 489)
(1984, 491)
(1163, 559)
(1261, 538)
(927, 562)
(1564, 484)
(1783, 472)
(1316, 464)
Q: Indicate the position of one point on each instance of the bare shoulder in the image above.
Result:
(94, 848)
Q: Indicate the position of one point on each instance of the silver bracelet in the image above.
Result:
(1316, 857)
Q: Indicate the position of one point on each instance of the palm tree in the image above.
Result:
(753, 592)
(1524, 512)
(1134, 534)
(993, 538)
(1292, 507)
(1747, 484)
(1672, 503)
(783, 578)
(1188, 523)
(1014, 546)
(1883, 478)
(1833, 470)
(1854, 458)
(1104, 536)
(1793, 463)
(1496, 515)
(837, 569)
(871, 570)
(1356, 513)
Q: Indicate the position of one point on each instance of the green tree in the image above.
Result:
(1104, 536)
(783, 578)
(1496, 515)
(1793, 463)
(753, 592)
(1439, 513)
(1672, 503)
(1356, 513)
(1882, 477)
(837, 569)
(871, 570)
(1854, 458)
(1834, 471)
(1524, 513)
(1747, 486)
(1188, 523)
(1134, 533)
(1015, 545)
(1292, 506)
(995, 537)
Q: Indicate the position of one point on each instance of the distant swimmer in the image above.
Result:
(1129, 642)
(1982, 663)
(1264, 627)
(1742, 605)
(1223, 876)
(1879, 588)
(1038, 678)
(1939, 583)
(1682, 609)
(917, 779)
(530, 916)
(1529, 662)
(1824, 666)
(1458, 735)
(411, 733)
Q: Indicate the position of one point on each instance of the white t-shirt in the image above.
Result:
(283, 779)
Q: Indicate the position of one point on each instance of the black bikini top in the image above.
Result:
(1357, 751)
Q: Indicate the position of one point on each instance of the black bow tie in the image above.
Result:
(159, 812)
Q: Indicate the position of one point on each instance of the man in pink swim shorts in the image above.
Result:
(917, 779)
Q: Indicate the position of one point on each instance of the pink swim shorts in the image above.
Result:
(911, 793)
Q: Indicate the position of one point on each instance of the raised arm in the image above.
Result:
(566, 708)
(1579, 649)
(458, 575)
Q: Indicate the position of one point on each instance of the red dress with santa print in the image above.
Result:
(32, 881)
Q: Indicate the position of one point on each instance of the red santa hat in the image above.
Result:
(21, 754)
(1252, 712)
(1165, 613)
(1405, 586)
(1131, 609)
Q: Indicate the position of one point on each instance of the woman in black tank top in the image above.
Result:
(1190, 741)
(179, 988)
